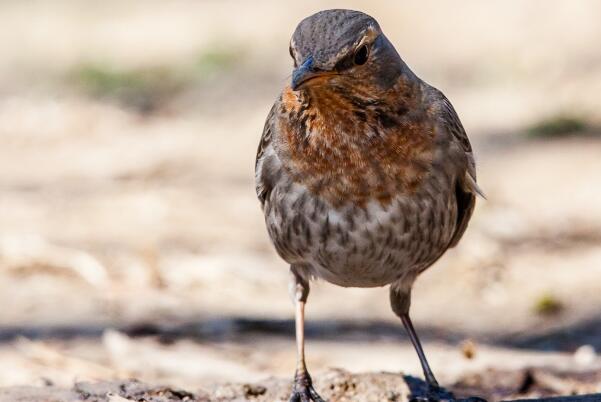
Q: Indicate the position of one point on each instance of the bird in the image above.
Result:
(364, 172)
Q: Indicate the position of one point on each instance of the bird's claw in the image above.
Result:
(305, 395)
(434, 393)
(303, 390)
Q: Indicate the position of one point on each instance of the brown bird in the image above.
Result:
(364, 172)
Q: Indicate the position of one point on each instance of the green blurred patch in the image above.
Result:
(143, 89)
(217, 59)
(148, 88)
(547, 304)
(560, 125)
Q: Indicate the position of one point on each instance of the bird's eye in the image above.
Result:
(361, 55)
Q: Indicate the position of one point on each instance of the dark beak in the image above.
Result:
(304, 73)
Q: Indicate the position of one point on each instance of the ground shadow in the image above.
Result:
(244, 329)
(235, 329)
(564, 339)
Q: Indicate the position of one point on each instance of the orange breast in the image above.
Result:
(348, 148)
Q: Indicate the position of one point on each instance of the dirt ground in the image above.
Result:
(132, 244)
(336, 385)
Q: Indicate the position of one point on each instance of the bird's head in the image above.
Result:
(343, 48)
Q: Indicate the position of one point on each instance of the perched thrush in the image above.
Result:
(364, 172)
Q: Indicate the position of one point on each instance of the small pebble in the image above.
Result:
(585, 355)
(468, 348)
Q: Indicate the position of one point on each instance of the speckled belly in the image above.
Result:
(368, 246)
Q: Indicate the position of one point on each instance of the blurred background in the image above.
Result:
(132, 243)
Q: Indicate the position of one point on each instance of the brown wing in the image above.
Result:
(465, 187)
(263, 185)
(466, 201)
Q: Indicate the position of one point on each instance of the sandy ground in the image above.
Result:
(131, 242)
(336, 385)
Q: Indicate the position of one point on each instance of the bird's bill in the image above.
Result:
(307, 72)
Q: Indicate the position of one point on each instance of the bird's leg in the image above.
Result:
(430, 379)
(302, 390)
(400, 300)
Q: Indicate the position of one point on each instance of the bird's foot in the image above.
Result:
(434, 393)
(303, 390)
(306, 394)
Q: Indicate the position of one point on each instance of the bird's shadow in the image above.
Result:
(421, 393)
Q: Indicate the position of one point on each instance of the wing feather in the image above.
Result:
(263, 185)
(466, 187)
